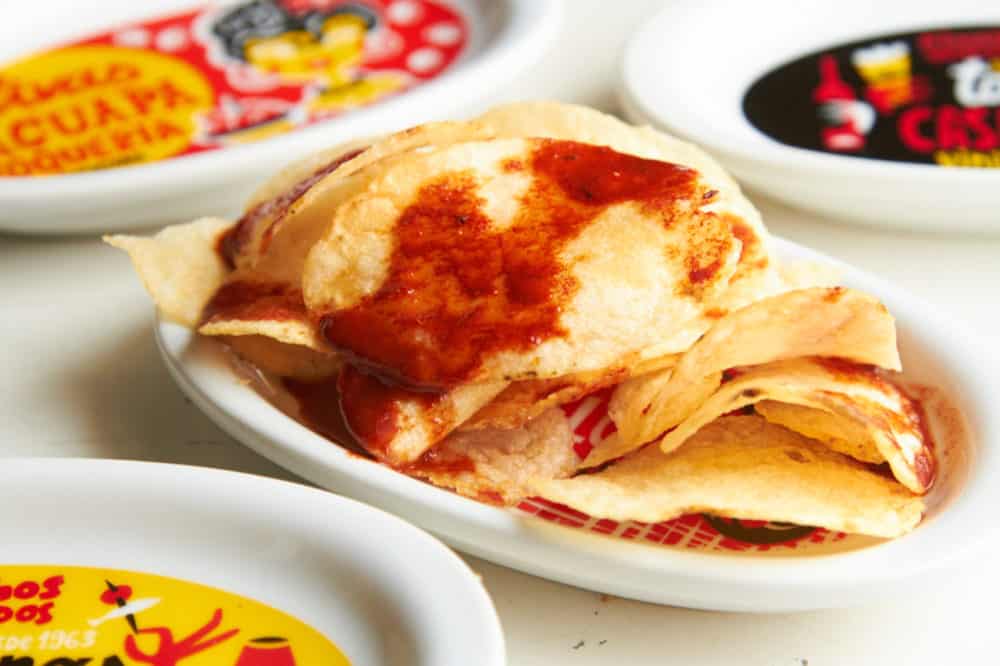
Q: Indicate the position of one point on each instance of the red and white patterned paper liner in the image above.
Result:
(591, 425)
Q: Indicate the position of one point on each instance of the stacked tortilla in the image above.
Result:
(445, 289)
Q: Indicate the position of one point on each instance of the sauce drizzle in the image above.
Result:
(251, 301)
(459, 290)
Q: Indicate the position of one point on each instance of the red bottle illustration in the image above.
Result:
(266, 651)
(847, 119)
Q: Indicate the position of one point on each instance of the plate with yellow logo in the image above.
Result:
(115, 113)
(119, 563)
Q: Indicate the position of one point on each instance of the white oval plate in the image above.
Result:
(505, 38)
(383, 591)
(689, 67)
(935, 351)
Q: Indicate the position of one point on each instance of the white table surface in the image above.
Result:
(81, 377)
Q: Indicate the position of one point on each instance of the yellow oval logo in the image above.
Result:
(94, 107)
(76, 616)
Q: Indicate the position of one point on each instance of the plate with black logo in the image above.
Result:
(885, 113)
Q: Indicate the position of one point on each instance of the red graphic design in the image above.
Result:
(116, 595)
(266, 651)
(217, 76)
(170, 652)
(847, 120)
(591, 425)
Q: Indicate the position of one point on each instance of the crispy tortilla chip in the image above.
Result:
(744, 467)
(638, 281)
(809, 322)
(495, 465)
(850, 391)
(285, 332)
(841, 434)
(522, 401)
(179, 266)
(284, 360)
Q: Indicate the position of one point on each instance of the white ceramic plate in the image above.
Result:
(688, 68)
(935, 352)
(504, 39)
(383, 591)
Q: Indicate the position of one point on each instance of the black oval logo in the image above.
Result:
(929, 97)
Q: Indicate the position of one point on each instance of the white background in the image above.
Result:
(81, 377)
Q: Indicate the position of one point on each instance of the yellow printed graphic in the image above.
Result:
(94, 107)
(53, 615)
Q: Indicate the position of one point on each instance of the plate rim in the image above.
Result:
(27, 473)
(716, 581)
(526, 30)
(754, 146)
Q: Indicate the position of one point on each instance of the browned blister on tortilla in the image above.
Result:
(744, 467)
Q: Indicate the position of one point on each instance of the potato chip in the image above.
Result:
(890, 421)
(283, 360)
(178, 266)
(841, 434)
(808, 322)
(299, 170)
(806, 274)
(398, 426)
(270, 309)
(580, 123)
(744, 467)
(495, 465)
(560, 271)
(524, 400)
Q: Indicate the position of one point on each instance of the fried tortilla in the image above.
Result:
(744, 467)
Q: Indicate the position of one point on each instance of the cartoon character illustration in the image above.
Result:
(320, 47)
(847, 120)
(169, 651)
(120, 595)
